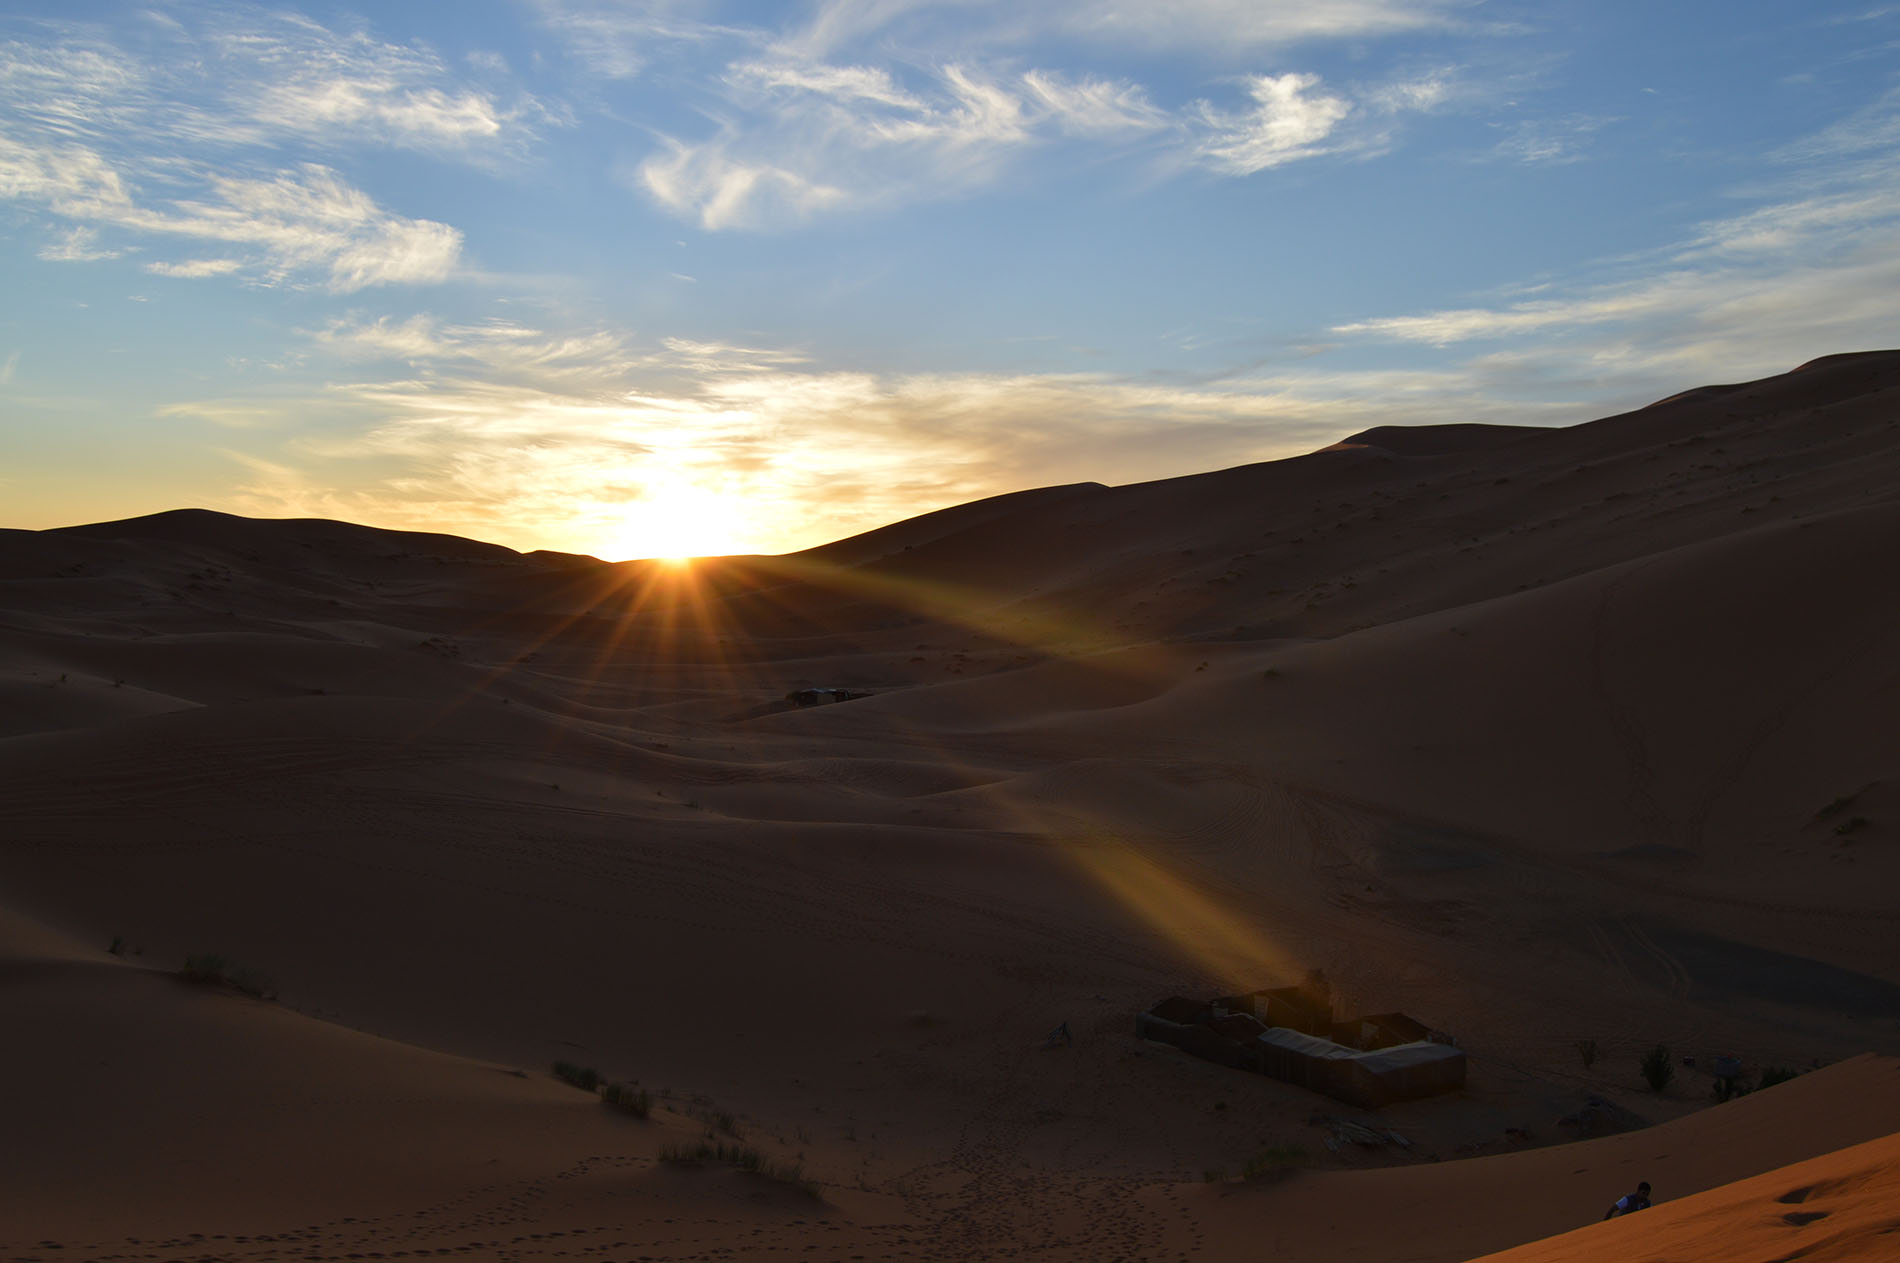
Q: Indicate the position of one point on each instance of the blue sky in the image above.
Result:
(655, 278)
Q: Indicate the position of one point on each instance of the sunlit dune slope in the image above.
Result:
(1840, 1208)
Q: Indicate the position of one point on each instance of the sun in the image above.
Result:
(675, 523)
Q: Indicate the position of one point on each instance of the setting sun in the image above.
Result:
(675, 523)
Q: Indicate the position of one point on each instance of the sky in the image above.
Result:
(663, 277)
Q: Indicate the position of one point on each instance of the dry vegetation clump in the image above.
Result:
(1658, 1068)
(625, 1096)
(210, 969)
(743, 1157)
(586, 1078)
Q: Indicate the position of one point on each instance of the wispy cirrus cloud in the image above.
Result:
(1218, 26)
(1809, 270)
(1552, 141)
(238, 79)
(619, 40)
(191, 269)
(291, 223)
(1287, 121)
(1250, 24)
(74, 245)
(803, 138)
(870, 104)
(190, 129)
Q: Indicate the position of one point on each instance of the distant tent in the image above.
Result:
(1304, 1060)
(1282, 1033)
(1291, 1007)
(1380, 1030)
(819, 697)
(1404, 1073)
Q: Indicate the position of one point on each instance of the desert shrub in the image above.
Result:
(204, 967)
(1658, 1068)
(625, 1096)
(1272, 1161)
(251, 982)
(213, 970)
(1587, 1050)
(586, 1078)
(1771, 1075)
(744, 1157)
(716, 1119)
(1836, 807)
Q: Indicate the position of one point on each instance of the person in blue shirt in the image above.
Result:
(1630, 1203)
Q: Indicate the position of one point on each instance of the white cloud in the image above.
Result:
(1550, 141)
(1811, 271)
(297, 222)
(231, 416)
(1256, 23)
(265, 81)
(806, 138)
(1420, 94)
(720, 189)
(722, 357)
(310, 220)
(1288, 121)
(70, 180)
(76, 245)
(1874, 127)
(1221, 27)
(841, 83)
(1093, 107)
(617, 39)
(8, 367)
(176, 140)
(1802, 270)
(498, 345)
(194, 268)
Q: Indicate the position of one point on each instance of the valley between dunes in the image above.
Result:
(1542, 736)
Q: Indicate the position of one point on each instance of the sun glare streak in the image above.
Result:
(1230, 946)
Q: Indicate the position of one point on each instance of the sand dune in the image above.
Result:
(1545, 736)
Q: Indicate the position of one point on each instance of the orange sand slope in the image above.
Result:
(1845, 1206)
(1556, 739)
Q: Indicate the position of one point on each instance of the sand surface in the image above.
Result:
(1547, 737)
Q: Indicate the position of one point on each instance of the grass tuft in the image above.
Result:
(742, 1157)
(586, 1078)
(625, 1096)
(213, 970)
(1658, 1068)
(1275, 1160)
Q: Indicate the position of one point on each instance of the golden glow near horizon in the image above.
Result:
(677, 522)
